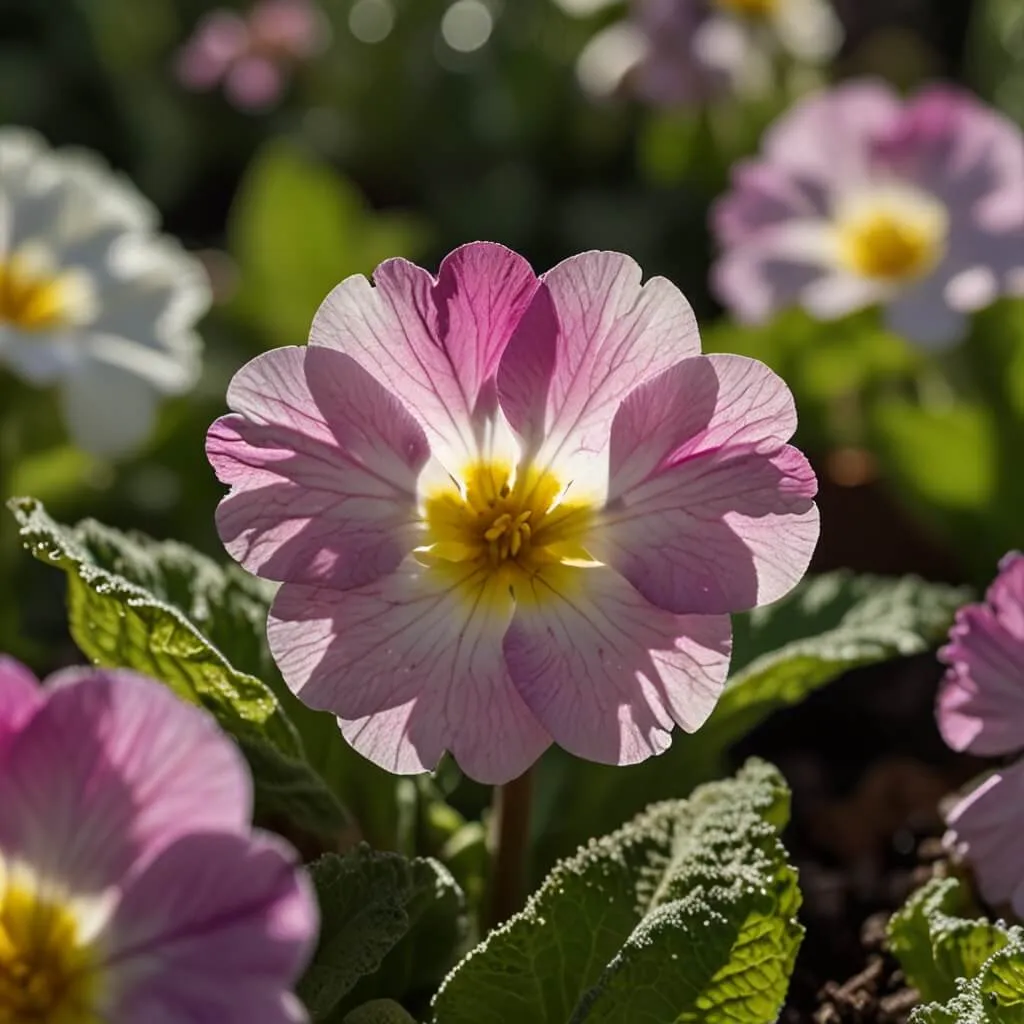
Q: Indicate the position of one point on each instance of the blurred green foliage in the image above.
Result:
(296, 229)
(952, 448)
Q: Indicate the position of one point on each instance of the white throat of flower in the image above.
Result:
(890, 234)
(50, 962)
(505, 524)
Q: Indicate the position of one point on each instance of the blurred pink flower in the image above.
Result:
(981, 709)
(251, 56)
(861, 197)
(509, 510)
(131, 886)
(700, 50)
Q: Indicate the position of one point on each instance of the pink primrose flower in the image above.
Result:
(508, 510)
(251, 56)
(981, 709)
(702, 50)
(981, 702)
(131, 886)
(986, 828)
(861, 197)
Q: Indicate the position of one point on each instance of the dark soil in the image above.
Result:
(868, 770)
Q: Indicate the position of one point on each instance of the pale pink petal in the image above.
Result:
(709, 510)
(196, 69)
(700, 404)
(763, 196)
(260, 1003)
(981, 703)
(971, 289)
(838, 294)
(20, 697)
(970, 155)
(213, 931)
(395, 739)
(412, 665)
(923, 314)
(607, 673)
(591, 334)
(760, 275)
(434, 342)
(827, 137)
(108, 771)
(294, 27)
(254, 82)
(988, 827)
(323, 464)
(673, 72)
(1006, 594)
(220, 38)
(222, 34)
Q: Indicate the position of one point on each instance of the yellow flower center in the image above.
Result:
(511, 525)
(33, 300)
(750, 8)
(893, 241)
(47, 973)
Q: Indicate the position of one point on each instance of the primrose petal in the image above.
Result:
(507, 509)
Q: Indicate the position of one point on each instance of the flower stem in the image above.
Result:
(511, 823)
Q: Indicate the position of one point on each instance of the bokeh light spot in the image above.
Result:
(467, 25)
(371, 21)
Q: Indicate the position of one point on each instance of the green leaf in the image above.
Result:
(995, 995)
(119, 622)
(397, 920)
(688, 913)
(826, 626)
(379, 1011)
(1001, 979)
(783, 652)
(934, 942)
(297, 228)
(229, 607)
(968, 971)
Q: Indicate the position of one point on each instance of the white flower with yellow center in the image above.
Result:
(92, 300)
(863, 198)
